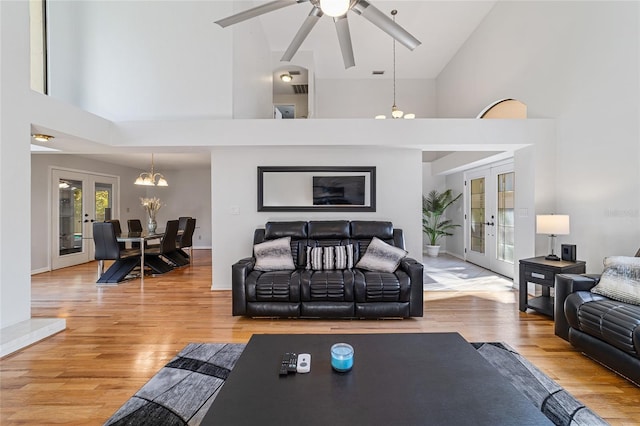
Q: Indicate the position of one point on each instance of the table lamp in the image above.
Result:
(552, 225)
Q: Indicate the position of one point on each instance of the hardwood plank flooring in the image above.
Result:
(118, 337)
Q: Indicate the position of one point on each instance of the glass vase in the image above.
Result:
(152, 225)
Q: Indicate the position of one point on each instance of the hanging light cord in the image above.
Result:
(394, 12)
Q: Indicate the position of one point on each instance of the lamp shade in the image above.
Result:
(552, 224)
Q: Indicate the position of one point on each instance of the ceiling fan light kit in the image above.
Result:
(334, 8)
(338, 9)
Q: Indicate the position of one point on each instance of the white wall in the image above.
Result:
(577, 62)
(188, 194)
(350, 98)
(252, 73)
(15, 232)
(234, 184)
(141, 59)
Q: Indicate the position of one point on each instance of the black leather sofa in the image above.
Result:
(604, 329)
(347, 293)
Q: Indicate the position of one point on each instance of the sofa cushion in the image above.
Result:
(381, 257)
(620, 279)
(614, 322)
(274, 255)
(296, 230)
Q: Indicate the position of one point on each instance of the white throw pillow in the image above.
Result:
(274, 255)
(381, 257)
(620, 279)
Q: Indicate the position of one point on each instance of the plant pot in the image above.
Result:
(432, 251)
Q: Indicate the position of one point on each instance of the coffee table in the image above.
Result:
(397, 379)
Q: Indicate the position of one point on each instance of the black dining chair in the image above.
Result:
(108, 248)
(153, 256)
(135, 225)
(117, 229)
(184, 240)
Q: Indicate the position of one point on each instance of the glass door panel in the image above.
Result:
(70, 216)
(477, 215)
(103, 201)
(505, 221)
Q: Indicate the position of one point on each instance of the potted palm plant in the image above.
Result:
(433, 224)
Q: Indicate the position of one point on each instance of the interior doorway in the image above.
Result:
(490, 217)
(77, 200)
(291, 92)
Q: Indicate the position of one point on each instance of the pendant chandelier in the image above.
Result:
(395, 111)
(151, 178)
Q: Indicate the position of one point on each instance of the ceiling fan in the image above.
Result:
(338, 10)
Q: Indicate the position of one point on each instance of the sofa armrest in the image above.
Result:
(565, 285)
(414, 269)
(239, 273)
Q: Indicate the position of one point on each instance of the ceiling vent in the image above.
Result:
(294, 72)
(377, 72)
(300, 89)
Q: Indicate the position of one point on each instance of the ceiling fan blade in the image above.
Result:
(256, 11)
(302, 33)
(344, 37)
(386, 24)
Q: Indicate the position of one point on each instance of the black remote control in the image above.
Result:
(289, 363)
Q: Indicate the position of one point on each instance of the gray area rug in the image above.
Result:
(183, 390)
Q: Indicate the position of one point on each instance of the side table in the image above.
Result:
(540, 271)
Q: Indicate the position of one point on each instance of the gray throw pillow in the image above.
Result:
(381, 257)
(274, 255)
(620, 279)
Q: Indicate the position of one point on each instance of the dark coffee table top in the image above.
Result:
(397, 379)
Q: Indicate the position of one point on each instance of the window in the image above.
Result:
(38, 28)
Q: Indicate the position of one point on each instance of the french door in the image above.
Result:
(78, 199)
(489, 218)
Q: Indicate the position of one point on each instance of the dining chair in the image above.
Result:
(183, 240)
(153, 256)
(118, 229)
(108, 248)
(186, 241)
(135, 225)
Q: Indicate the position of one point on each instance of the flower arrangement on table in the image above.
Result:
(151, 205)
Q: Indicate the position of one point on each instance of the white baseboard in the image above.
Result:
(40, 271)
(25, 333)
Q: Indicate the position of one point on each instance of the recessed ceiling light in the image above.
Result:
(42, 138)
(286, 78)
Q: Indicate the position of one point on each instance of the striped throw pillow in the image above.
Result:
(344, 256)
(328, 260)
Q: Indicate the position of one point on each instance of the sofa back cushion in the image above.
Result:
(330, 233)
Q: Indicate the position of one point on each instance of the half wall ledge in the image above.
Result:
(25, 333)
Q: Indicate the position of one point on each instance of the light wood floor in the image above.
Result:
(118, 337)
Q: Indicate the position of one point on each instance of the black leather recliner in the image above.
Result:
(604, 329)
(347, 293)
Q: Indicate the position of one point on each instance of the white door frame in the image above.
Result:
(89, 180)
(488, 259)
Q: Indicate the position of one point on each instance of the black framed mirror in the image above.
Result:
(316, 188)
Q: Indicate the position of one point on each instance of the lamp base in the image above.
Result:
(552, 257)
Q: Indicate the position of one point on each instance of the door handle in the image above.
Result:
(490, 223)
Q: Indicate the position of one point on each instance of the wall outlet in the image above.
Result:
(199, 237)
(235, 210)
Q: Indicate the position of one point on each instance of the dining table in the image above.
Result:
(142, 238)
